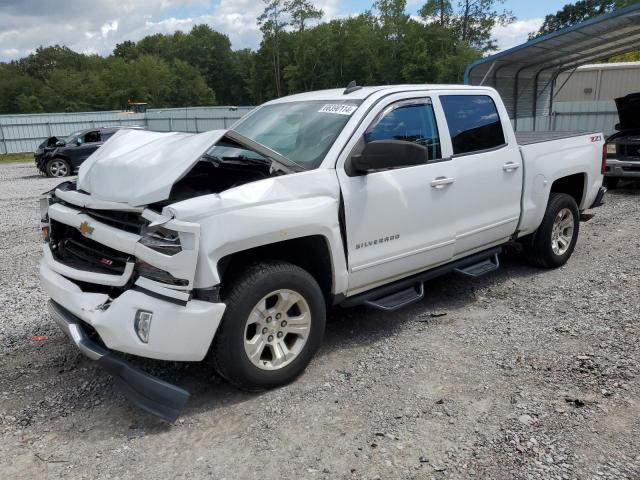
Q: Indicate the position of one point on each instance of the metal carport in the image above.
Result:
(525, 75)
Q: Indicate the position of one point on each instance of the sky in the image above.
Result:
(96, 26)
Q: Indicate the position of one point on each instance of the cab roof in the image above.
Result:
(365, 92)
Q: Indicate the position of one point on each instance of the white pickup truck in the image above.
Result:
(230, 244)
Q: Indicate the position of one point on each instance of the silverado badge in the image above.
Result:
(85, 229)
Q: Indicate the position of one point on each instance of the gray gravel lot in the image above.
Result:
(521, 374)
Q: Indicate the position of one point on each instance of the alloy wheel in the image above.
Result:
(277, 329)
(562, 231)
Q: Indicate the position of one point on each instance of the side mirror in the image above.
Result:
(60, 143)
(387, 154)
(617, 126)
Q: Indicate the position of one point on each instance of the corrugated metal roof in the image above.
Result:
(524, 75)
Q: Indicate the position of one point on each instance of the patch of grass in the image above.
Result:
(16, 157)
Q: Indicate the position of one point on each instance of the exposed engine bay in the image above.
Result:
(165, 168)
(210, 176)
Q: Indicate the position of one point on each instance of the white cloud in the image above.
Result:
(109, 27)
(27, 24)
(85, 27)
(515, 33)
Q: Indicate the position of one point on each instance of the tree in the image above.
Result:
(272, 23)
(472, 22)
(392, 17)
(476, 19)
(210, 52)
(574, 13)
(126, 50)
(188, 86)
(28, 104)
(440, 9)
(302, 11)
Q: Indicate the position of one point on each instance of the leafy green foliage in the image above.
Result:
(297, 53)
(574, 13)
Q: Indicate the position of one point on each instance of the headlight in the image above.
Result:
(157, 275)
(161, 240)
(611, 148)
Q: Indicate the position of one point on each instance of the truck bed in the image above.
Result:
(528, 138)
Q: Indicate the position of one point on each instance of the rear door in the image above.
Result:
(399, 220)
(488, 171)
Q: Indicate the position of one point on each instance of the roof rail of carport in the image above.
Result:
(541, 60)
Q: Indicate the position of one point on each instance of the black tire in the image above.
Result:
(539, 249)
(58, 167)
(228, 352)
(611, 182)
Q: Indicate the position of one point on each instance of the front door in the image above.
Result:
(399, 221)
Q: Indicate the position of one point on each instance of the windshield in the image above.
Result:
(300, 131)
(72, 137)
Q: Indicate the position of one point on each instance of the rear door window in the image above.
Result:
(474, 123)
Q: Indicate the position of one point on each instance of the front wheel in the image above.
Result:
(553, 243)
(273, 325)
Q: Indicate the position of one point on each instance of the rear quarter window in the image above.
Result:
(474, 123)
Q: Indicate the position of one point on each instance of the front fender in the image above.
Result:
(263, 213)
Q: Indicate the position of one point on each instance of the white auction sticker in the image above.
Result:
(339, 109)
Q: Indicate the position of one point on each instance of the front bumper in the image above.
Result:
(622, 168)
(149, 393)
(179, 331)
(37, 159)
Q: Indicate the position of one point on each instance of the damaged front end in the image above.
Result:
(121, 280)
(44, 152)
(119, 265)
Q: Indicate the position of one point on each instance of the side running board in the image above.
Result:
(411, 289)
(478, 269)
(398, 299)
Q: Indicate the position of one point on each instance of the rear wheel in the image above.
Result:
(554, 241)
(273, 325)
(58, 167)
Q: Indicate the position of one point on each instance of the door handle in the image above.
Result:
(510, 166)
(442, 182)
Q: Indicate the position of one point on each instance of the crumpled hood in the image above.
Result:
(629, 111)
(139, 167)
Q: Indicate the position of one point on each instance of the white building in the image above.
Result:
(598, 82)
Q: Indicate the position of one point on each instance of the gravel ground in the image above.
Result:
(521, 374)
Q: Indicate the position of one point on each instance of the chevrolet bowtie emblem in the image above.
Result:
(85, 229)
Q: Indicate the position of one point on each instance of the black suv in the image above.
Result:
(61, 157)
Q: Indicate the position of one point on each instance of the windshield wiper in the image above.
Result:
(245, 159)
(289, 165)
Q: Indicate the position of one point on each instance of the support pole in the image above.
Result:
(565, 81)
(493, 64)
(4, 141)
(534, 105)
